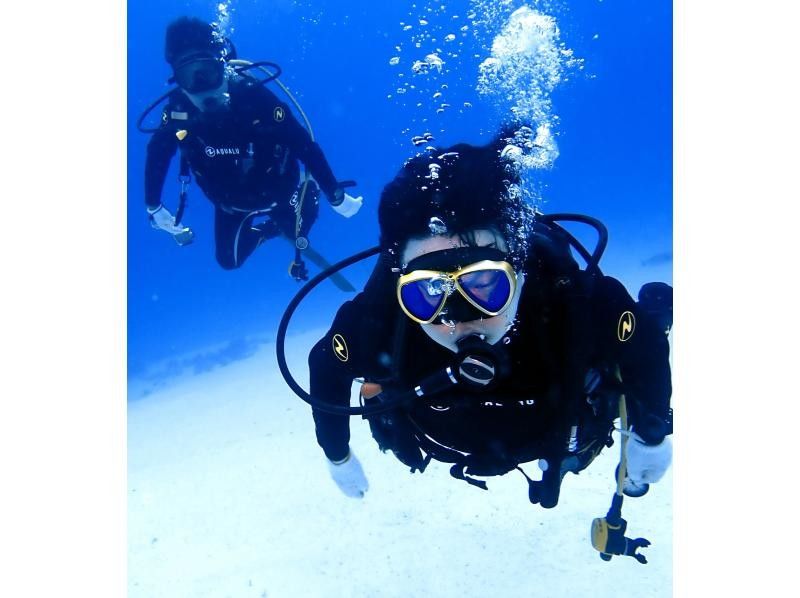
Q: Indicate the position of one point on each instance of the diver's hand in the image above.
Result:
(160, 218)
(349, 476)
(346, 204)
(647, 463)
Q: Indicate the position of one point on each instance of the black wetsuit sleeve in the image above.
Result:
(641, 350)
(310, 153)
(287, 128)
(333, 363)
(160, 150)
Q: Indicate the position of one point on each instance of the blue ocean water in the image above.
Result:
(360, 72)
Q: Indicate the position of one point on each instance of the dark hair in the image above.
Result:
(189, 34)
(467, 187)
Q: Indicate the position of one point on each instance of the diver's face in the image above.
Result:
(491, 327)
(203, 80)
(214, 100)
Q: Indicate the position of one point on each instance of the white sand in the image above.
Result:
(229, 495)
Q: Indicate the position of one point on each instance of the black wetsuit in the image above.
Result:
(245, 159)
(567, 325)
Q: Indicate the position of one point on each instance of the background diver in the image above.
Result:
(243, 146)
(507, 351)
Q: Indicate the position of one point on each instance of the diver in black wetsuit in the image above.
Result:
(242, 144)
(525, 354)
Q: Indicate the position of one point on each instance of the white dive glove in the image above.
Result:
(161, 219)
(647, 463)
(349, 205)
(349, 476)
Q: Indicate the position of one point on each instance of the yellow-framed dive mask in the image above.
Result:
(433, 284)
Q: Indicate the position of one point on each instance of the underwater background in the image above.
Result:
(602, 73)
(228, 493)
(225, 490)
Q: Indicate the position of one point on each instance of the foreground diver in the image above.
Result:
(242, 144)
(510, 352)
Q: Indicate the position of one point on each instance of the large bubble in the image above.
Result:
(527, 62)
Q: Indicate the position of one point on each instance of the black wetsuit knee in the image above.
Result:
(226, 259)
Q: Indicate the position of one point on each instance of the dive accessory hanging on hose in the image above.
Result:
(608, 533)
(186, 236)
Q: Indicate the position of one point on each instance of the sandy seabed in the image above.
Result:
(229, 495)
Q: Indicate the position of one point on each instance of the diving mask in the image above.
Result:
(485, 285)
(199, 73)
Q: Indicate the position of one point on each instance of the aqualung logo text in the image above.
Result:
(212, 152)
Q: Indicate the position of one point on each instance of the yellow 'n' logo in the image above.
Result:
(625, 326)
(340, 347)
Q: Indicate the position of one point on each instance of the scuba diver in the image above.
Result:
(243, 146)
(480, 342)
